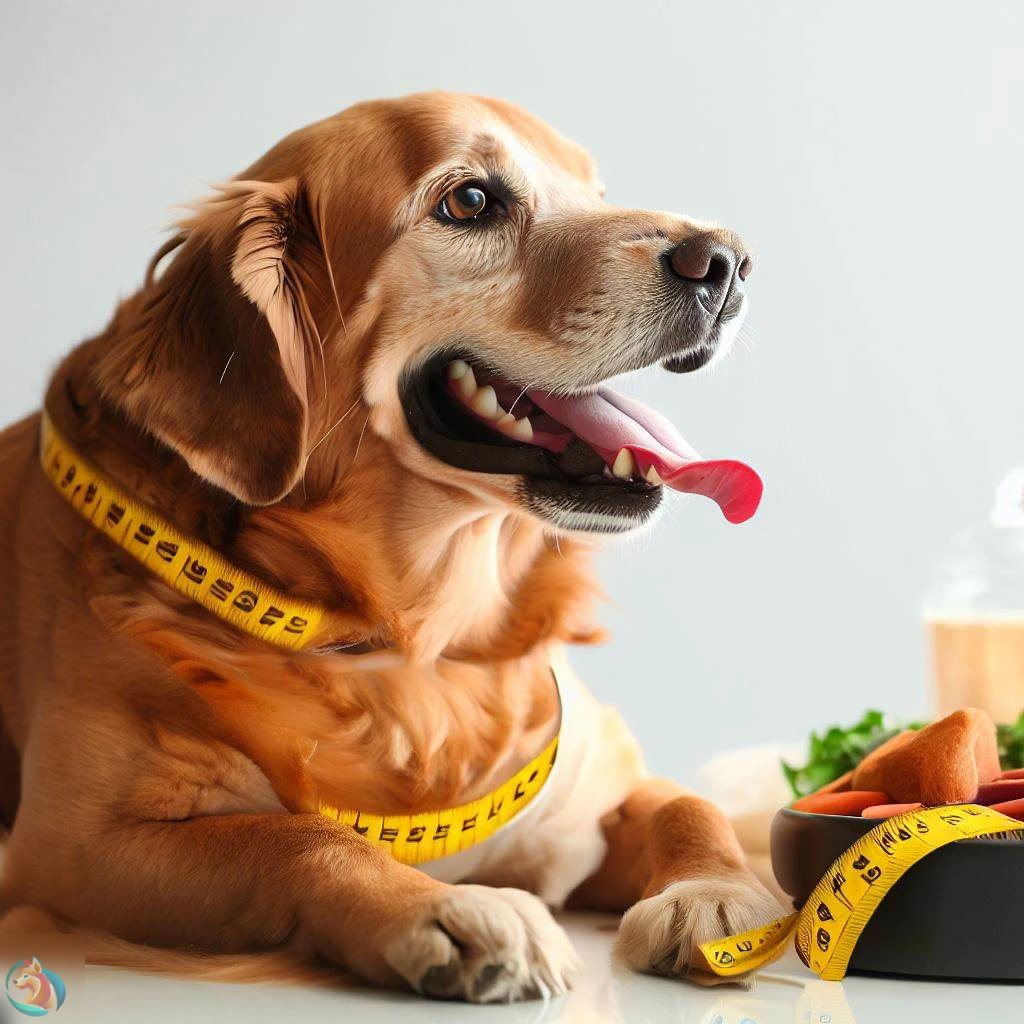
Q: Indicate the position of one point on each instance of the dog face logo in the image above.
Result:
(33, 990)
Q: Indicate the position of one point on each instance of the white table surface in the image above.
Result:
(602, 994)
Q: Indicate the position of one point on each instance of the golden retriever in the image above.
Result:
(368, 371)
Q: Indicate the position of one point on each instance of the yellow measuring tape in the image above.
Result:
(184, 563)
(834, 915)
(418, 838)
(204, 575)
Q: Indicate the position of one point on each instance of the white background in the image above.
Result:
(872, 154)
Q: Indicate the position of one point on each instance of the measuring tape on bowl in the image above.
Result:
(839, 907)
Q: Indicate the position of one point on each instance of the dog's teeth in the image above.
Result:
(521, 430)
(485, 402)
(467, 383)
(457, 369)
(652, 477)
(625, 465)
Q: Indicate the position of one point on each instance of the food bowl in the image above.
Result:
(958, 913)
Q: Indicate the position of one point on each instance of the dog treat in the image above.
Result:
(851, 802)
(943, 763)
(891, 744)
(888, 810)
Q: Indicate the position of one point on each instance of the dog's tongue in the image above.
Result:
(609, 422)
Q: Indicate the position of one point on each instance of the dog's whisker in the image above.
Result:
(330, 271)
(337, 423)
(323, 359)
(359, 443)
(223, 372)
(520, 395)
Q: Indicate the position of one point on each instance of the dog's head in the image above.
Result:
(437, 278)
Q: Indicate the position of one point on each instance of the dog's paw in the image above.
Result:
(661, 934)
(485, 946)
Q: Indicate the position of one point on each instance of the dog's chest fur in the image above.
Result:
(378, 734)
(423, 742)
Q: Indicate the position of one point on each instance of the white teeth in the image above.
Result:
(485, 402)
(624, 465)
(466, 383)
(521, 430)
(652, 477)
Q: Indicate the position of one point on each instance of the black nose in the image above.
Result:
(714, 259)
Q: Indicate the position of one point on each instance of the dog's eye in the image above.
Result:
(467, 202)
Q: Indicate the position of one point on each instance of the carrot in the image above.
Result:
(888, 810)
(1000, 791)
(1011, 808)
(851, 802)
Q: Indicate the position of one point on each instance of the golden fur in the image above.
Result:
(170, 766)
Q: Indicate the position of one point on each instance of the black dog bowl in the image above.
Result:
(958, 913)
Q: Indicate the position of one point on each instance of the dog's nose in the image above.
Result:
(713, 259)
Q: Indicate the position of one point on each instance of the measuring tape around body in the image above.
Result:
(837, 910)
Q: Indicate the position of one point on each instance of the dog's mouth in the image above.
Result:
(596, 454)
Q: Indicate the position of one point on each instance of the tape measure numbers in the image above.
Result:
(419, 838)
(188, 565)
(839, 907)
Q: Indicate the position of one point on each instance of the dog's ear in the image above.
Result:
(212, 356)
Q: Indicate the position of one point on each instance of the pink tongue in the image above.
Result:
(608, 422)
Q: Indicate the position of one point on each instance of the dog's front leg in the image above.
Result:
(247, 882)
(675, 863)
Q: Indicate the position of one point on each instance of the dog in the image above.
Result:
(367, 374)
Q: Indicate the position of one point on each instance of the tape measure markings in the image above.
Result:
(839, 907)
(184, 563)
(419, 838)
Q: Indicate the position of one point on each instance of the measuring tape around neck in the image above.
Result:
(183, 562)
(838, 909)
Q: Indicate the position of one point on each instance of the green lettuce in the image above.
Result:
(1011, 744)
